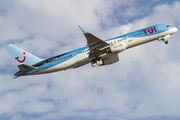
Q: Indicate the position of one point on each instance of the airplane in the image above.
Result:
(97, 52)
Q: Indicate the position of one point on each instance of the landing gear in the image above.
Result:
(162, 39)
(166, 42)
(96, 62)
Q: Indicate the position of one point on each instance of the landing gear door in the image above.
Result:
(160, 29)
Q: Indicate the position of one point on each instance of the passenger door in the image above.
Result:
(45, 64)
(160, 28)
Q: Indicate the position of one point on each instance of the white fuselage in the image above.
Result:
(83, 57)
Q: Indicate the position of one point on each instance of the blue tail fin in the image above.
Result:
(21, 56)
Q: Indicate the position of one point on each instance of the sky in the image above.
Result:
(143, 85)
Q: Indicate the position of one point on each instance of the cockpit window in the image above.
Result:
(168, 26)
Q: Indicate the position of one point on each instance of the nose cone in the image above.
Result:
(174, 29)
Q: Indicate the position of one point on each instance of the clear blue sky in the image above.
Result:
(143, 85)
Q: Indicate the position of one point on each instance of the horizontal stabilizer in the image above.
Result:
(26, 68)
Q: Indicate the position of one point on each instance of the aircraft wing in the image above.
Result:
(96, 46)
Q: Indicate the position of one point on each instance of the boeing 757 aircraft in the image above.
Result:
(97, 52)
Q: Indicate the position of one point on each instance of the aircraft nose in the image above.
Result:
(175, 29)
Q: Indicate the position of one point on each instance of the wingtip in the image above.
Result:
(82, 29)
(6, 45)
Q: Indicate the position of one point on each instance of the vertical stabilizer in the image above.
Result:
(21, 56)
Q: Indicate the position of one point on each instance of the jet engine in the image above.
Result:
(105, 61)
(110, 60)
(115, 48)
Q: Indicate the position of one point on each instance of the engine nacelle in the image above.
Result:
(106, 61)
(118, 47)
(110, 60)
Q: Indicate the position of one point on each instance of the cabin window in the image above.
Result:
(168, 26)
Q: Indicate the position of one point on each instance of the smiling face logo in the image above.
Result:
(21, 61)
